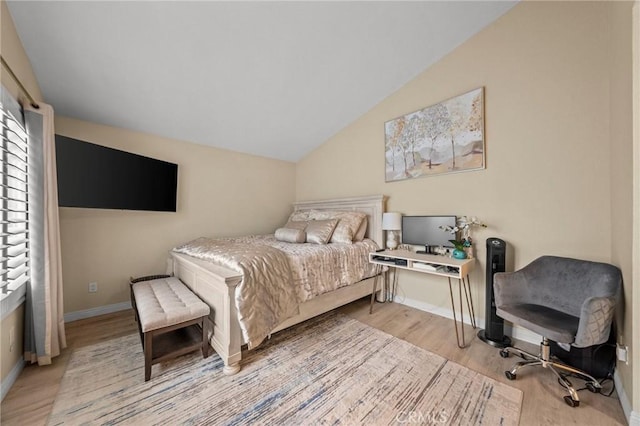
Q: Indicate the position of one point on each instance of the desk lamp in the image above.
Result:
(392, 223)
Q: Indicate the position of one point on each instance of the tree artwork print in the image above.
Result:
(443, 138)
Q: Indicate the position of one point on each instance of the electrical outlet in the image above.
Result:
(93, 287)
(622, 353)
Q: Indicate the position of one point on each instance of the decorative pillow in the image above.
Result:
(361, 231)
(290, 235)
(299, 216)
(348, 225)
(319, 231)
(296, 224)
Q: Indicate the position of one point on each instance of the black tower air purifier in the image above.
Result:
(493, 333)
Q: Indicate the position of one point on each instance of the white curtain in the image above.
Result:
(44, 315)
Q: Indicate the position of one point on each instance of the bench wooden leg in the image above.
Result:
(148, 353)
(205, 337)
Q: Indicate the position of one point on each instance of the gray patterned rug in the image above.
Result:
(329, 370)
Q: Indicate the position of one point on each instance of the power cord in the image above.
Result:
(602, 381)
(608, 378)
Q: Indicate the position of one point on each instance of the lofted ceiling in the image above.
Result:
(275, 79)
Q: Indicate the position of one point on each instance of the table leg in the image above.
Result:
(467, 293)
(393, 285)
(375, 288)
(461, 343)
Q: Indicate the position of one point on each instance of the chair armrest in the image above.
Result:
(509, 288)
(596, 315)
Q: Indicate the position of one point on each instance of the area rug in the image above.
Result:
(329, 370)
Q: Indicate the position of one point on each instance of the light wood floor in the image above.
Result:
(30, 400)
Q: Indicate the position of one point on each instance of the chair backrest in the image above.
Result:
(564, 284)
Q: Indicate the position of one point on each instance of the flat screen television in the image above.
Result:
(95, 176)
(425, 231)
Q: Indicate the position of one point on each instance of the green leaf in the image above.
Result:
(459, 245)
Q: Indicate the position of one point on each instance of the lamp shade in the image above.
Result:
(391, 221)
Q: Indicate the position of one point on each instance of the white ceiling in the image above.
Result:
(275, 79)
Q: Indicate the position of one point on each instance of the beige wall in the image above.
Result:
(14, 54)
(547, 188)
(635, 350)
(220, 193)
(621, 139)
(12, 355)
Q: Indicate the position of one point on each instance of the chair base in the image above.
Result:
(544, 359)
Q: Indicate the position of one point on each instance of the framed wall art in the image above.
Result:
(447, 137)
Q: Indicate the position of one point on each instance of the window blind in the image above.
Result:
(14, 252)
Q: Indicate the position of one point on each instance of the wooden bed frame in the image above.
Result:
(216, 285)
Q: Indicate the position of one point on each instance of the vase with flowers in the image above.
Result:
(464, 245)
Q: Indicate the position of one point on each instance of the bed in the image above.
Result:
(216, 284)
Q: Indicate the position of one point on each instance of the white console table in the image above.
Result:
(443, 266)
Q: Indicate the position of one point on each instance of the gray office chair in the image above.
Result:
(565, 300)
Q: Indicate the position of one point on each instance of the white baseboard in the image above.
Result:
(11, 378)
(94, 312)
(632, 417)
(519, 333)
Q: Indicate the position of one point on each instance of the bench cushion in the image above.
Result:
(165, 302)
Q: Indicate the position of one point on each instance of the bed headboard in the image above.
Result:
(373, 206)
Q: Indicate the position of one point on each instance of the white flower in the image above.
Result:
(464, 225)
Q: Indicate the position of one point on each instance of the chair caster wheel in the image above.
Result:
(504, 353)
(510, 375)
(592, 388)
(571, 402)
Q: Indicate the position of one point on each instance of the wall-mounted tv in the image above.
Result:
(425, 231)
(95, 176)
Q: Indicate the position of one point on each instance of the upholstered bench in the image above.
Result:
(168, 315)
